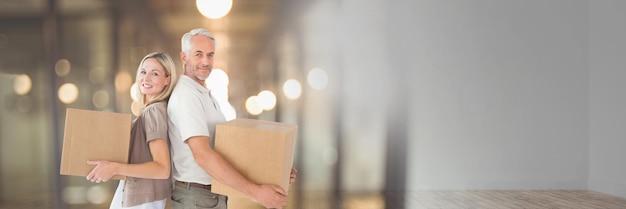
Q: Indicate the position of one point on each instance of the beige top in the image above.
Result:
(150, 125)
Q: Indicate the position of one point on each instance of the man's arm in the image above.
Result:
(270, 196)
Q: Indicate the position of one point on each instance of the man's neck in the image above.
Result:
(194, 78)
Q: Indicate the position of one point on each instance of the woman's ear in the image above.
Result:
(168, 80)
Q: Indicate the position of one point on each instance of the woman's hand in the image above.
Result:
(103, 171)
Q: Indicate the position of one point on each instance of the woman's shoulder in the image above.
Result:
(156, 108)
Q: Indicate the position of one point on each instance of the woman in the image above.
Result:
(148, 183)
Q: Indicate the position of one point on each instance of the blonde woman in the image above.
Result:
(148, 183)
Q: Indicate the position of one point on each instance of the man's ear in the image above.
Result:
(183, 57)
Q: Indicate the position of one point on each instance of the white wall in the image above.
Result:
(499, 94)
(607, 63)
(504, 94)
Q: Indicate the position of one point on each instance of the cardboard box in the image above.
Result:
(260, 150)
(94, 135)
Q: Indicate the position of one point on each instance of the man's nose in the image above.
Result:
(206, 60)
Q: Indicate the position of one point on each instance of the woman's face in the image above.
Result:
(152, 78)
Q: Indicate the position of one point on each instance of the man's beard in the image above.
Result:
(198, 76)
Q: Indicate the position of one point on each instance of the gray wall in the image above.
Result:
(500, 95)
(607, 93)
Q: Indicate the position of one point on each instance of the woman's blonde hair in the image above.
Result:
(170, 71)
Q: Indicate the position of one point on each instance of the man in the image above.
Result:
(193, 114)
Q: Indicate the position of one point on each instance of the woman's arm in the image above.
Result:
(158, 168)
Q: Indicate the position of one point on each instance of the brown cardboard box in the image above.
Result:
(260, 150)
(94, 135)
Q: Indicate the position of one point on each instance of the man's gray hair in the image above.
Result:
(185, 42)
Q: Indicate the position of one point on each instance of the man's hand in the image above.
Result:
(292, 177)
(271, 196)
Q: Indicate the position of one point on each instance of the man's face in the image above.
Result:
(199, 60)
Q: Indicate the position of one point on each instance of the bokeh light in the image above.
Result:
(22, 84)
(252, 106)
(214, 9)
(330, 155)
(75, 195)
(62, 67)
(266, 100)
(317, 78)
(228, 110)
(123, 81)
(217, 82)
(134, 108)
(68, 93)
(134, 92)
(100, 99)
(217, 79)
(292, 89)
(97, 75)
(98, 195)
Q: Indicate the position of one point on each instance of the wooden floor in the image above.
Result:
(468, 199)
(491, 199)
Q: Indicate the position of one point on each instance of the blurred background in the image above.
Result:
(391, 96)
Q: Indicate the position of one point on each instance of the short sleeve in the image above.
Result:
(155, 121)
(189, 117)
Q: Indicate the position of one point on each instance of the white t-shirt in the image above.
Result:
(192, 111)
